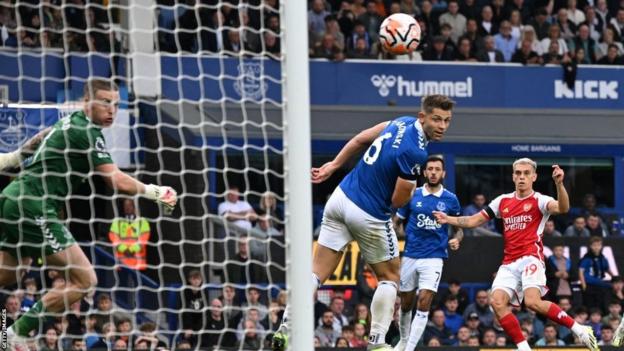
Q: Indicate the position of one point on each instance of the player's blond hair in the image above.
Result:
(93, 85)
(525, 161)
(429, 102)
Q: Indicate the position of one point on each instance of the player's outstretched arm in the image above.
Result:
(473, 221)
(356, 145)
(118, 180)
(562, 205)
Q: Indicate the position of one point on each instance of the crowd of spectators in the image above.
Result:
(521, 31)
(72, 26)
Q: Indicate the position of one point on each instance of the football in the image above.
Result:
(399, 34)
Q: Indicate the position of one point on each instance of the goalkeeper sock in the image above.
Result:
(382, 311)
(30, 320)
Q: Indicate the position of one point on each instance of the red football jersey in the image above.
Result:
(523, 221)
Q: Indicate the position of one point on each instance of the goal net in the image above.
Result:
(202, 110)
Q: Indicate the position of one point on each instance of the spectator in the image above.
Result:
(251, 339)
(360, 337)
(575, 15)
(274, 318)
(595, 320)
(148, 333)
(395, 7)
(326, 332)
(566, 306)
(481, 306)
(50, 341)
(490, 53)
(550, 230)
(452, 320)
(608, 38)
(12, 308)
(253, 301)
(438, 51)
(319, 307)
(232, 310)
(567, 27)
(596, 27)
(584, 41)
(409, 7)
(272, 45)
(473, 323)
(437, 328)
(342, 343)
(528, 33)
(593, 269)
(558, 274)
(469, 9)
(434, 342)
(259, 238)
(328, 49)
(501, 341)
(472, 34)
(590, 207)
(456, 20)
(428, 16)
(516, 23)
(540, 23)
(554, 34)
(614, 308)
(124, 329)
(214, 335)
(606, 335)
(473, 341)
(612, 57)
(358, 7)
(489, 338)
(445, 32)
(464, 51)
(478, 200)
(316, 18)
(594, 227)
(552, 56)
(241, 269)
(361, 315)
(455, 289)
(371, 20)
(505, 42)
(577, 228)
(237, 211)
(194, 303)
(129, 236)
(487, 26)
(550, 337)
(361, 50)
(331, 27)
(617, 290)
(524, 11)
(463, 334)
(30, 294)
(337, 307)
(527, 325)
(250, 314)
(78, 345)
(618, 22)
(525, 55)
(359, 32)
(499, 10)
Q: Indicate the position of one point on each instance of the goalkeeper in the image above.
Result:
(70, 152)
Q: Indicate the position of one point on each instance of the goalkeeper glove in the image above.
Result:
(164, 195)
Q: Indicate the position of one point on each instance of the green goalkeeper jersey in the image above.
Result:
(63, 161)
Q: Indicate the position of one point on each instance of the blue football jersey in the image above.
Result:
(425, 238)
(399, 151)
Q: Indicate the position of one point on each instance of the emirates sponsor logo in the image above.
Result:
(517, 222)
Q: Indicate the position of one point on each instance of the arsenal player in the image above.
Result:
(522, 274)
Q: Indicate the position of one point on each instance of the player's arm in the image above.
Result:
(473, 221)
(356, 145)
(562, 205)
(118, 180)
(403, 191)
(397, 221)
(458, 236)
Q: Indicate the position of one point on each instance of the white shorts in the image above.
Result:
(421, 273)
(344, 221)
(519, 275)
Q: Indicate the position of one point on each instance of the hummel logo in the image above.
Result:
(418, 204)
(383, 82)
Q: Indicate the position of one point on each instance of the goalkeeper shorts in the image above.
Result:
(31, 228)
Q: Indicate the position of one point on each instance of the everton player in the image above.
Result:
(360, 208)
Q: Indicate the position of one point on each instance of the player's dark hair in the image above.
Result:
(435, 158)
(443, 102)
(92, 86)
